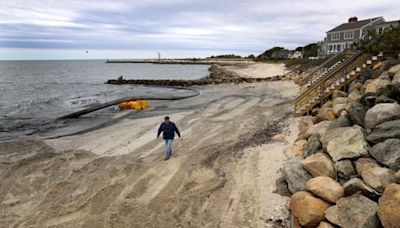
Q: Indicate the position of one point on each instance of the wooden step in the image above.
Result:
(317, 94)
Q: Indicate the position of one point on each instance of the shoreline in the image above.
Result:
(220, 62)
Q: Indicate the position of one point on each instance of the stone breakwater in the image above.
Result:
(218, 75)
(344, 168)
(186, 62)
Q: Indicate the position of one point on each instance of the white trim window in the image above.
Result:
(335, 36)
(380, 30)
(348, 35)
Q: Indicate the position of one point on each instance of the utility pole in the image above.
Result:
(159, 57)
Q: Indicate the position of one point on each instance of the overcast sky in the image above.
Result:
(59, 29)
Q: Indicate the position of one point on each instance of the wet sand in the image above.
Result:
(222, 173)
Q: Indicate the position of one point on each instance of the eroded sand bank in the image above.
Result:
(222, 173)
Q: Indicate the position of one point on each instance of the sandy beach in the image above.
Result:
(223, 171)
(259, 70)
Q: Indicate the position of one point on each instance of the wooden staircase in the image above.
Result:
(347, 67)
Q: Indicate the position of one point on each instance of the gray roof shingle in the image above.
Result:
(353, 25)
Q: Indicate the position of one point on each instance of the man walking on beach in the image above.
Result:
(168, 128)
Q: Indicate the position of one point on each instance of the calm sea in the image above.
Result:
(34, 93)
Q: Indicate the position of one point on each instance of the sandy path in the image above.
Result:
(222, 173)
(258, 70)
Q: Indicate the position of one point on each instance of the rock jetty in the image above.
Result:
(218, 75)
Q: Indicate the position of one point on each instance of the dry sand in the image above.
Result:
(259, 70)
(222, 173)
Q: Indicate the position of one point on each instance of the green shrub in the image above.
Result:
(388, 42)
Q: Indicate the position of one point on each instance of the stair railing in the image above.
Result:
(317, 88)
(328, 63)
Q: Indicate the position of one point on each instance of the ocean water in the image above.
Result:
(34, 93)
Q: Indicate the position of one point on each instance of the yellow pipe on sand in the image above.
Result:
(137, 105)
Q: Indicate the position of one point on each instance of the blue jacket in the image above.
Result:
(168, 130)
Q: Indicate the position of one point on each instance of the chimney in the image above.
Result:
(353, 19)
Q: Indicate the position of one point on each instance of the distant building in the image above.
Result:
(295, 55)
(345, 35)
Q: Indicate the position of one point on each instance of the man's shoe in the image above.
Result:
(166, 158)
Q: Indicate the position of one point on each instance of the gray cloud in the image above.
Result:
(241, 26)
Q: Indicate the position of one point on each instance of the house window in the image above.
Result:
(348, 35)
(335, 36)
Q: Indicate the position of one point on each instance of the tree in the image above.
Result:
(310, 50)
(268, 53)
(388, 42)
(251, 56)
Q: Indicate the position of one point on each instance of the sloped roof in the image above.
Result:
(353, 25)
(391, 22)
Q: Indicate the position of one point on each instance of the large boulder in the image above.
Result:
(325, 225)
(326, 188)
(305, 123)
(368, 100)
(384, 131)
(364, 163)
(317, 129)
(392, 92)
(319, 164)
(389, 207)
(355, 96)
(357, 113)
(327, 104)
(357, 211)
(355, 86)
(295, 150)
(374, 175)
(387, 153)
(295, 176)
(325, 114)
(341, 121)
(372, 86)
(384, 99)
(345, 142)
(340, 104)
(339, 93)
(308, 209)
(394, 70)
(331, 214)
(381, 113)
(356, 185)
(345, 169)
(396, 78)
(312, 146)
